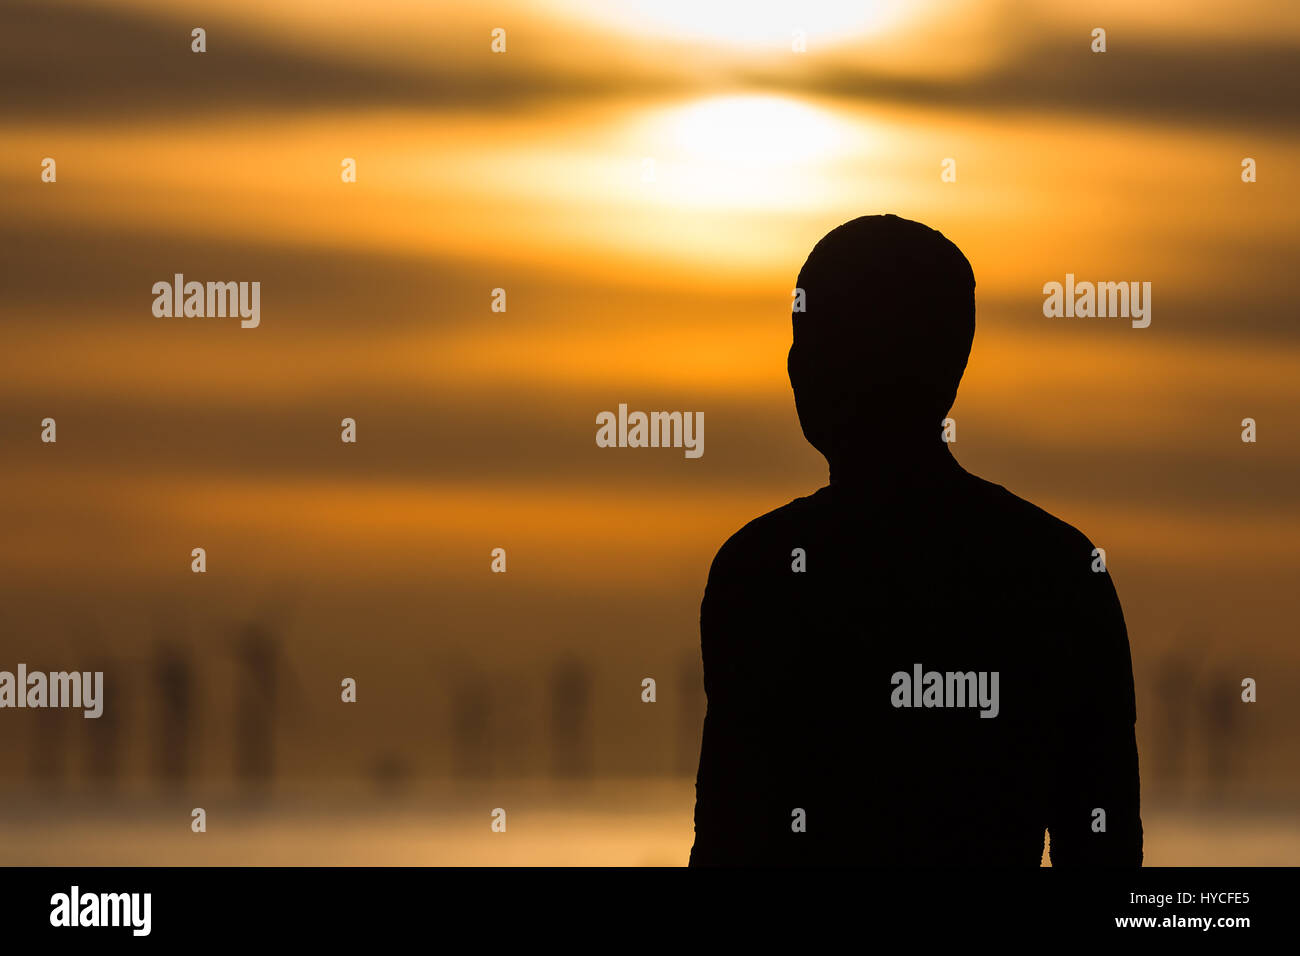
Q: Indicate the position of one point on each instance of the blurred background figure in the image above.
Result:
(572, 743)
(256, 698)
(174, 693)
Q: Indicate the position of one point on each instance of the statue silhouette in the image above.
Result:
(911, 666)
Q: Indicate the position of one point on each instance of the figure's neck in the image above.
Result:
(895, 463)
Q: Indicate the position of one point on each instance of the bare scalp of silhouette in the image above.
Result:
(911, 666)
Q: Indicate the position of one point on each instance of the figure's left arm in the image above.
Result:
(1095, 816)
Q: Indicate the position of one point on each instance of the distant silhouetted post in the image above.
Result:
(1176, 692)
(255, 707)
(173, 678)
(1220, 698)
(49, 744)
(572, 739)
(104, 735)
(471, 722)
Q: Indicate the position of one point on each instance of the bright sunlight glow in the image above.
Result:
(744, 23)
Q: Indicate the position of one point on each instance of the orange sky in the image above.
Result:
(526, 171)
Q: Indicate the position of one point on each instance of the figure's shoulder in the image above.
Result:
(749, 544)
(1023, 523)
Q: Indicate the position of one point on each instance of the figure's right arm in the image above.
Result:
(721, 788)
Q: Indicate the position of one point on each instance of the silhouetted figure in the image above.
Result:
(912, 566)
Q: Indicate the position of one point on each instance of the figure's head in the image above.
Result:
(882, 343)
